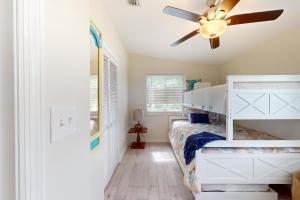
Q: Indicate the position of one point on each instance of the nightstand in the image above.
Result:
(138, 144)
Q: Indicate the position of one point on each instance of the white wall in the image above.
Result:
(139, 68)
(66, 82)
(279, 55)
(6, 102)
(72, 171)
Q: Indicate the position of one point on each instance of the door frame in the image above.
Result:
(29, 135)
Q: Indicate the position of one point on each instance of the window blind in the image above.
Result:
(94, 93)
(165, 93)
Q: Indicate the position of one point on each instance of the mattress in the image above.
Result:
(181, 129)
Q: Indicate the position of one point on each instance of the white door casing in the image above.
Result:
(29, 148)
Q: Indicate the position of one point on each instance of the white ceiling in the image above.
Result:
(146, 30)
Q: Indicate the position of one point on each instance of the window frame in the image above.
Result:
(163, 112)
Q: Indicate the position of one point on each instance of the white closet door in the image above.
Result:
(113, 103)
(109, 116)
(105, 117)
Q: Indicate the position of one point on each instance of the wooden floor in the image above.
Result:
(152, 174)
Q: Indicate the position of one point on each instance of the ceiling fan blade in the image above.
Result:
(228, 5)
(214, 42)
(254, 17)
(176, 12)
(190, 35)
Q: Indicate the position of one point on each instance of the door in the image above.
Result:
(109, 115)
(105, 116)
(113, 103)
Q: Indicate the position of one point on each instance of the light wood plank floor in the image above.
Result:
(151, 174)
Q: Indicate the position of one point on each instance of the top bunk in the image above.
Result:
(251, 97)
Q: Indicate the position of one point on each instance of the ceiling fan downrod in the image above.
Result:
(212, 3)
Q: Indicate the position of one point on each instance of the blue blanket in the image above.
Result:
(197, 141)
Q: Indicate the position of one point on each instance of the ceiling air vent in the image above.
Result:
(134, 2)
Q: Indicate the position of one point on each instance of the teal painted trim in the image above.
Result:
(96, 36)
(95, 143)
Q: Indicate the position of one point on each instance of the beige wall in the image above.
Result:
(280, 55)
(140, 67)
(7, 167)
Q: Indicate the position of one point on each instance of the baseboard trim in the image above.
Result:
(123, 153)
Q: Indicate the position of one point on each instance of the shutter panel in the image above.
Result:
(113, 90)
(113, 138)
(105, 111)
(109, 110)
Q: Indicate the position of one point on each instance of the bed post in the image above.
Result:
(229, 121)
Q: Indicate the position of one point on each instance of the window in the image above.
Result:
(93, 93)
(165, 93)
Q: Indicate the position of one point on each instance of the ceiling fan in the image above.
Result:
(213, 22)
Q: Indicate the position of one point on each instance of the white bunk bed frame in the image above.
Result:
(278, 98)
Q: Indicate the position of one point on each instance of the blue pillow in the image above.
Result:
(199, 118)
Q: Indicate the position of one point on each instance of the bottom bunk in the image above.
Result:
(233, 173)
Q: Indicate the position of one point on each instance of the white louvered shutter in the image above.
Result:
(113, 104)
(105, 107)
(110, 115)
(165, 93)
(113, 92)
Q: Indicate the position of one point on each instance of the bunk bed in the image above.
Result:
(247, 162)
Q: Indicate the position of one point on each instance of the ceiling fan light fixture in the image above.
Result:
(213, 28)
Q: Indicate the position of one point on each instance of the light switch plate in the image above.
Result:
(63, 122)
